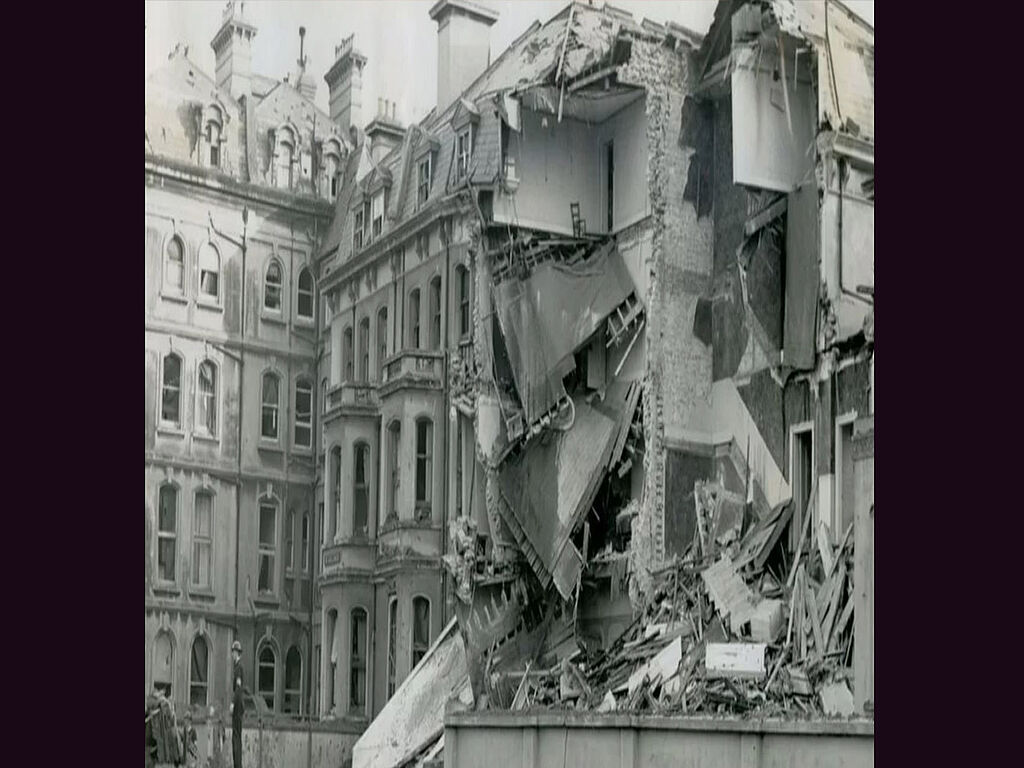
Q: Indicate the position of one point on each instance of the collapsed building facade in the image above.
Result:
(617, 269)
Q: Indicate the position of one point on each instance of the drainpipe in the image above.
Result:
(241, 396)
(316, 407)
(447, 410)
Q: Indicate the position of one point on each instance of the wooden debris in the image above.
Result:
(766, 622)
(836, 699)
(735, 660)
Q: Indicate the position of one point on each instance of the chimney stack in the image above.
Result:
(463, 46)
(384, 131)
(345, 82)
(232, 46)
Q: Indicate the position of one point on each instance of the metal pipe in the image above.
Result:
(447, 409)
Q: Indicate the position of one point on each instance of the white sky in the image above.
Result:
(397, 37)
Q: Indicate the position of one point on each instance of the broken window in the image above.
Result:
(213, 141)
(392, 646)
(271, 402)
(305, 297)
(167, 532)
(272, 287)
(174, 269)
(357, 231)
(289, 543)
(347, 354)
(435, 313)
(361, 493)
(462, 278)
(303, 413)
(207, 415)
(163, 663)
(332, 643)
(464, 153)
(170, 407)
(267, 671)
(424, 449)
(382, 339)
(209, 272)
(336, 488)
(267, 546)
(293, 681)
(364, 349)
(420, 629)
(305, 542)
(394, 439)
(414, 319)
(199, 674)
(357, 678)
(202, 540)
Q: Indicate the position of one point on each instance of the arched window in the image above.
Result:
(382, 340)
(394, 440)
(392, 646)
(271, 403)
(462, 278)
(335, 492)
(414, 319)
(209, 272)
(364, 349)
(435, 312)
(170, 403)
(213, 141)
(289, 541)
(272, 287)
(174, 266)
(357, 661)
(304, 413)
(266, 674)
(424, 473)
(267, 546)
(163, 662)
(202, 540)
(199, 675)
(167, 533)
(332, 167)
(206, 408)
(361, 494)
(283, 158)
(346, 356)
(330, 685)
(304, 305)
(420, 629)
(293, 681)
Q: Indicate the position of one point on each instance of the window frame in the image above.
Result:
(423, 184)
(394, 451)
(377, 221)
(271, 263)
(303, 383)
(296, 692)
(419, 647)
(434, 298)
(289, 542)
(202, 429)
(358, 663)
(267, 550)
(304, 539)
(204, 684)
(414, 319)
(267, 645)
(167, 288)
(173, 651)
(274, 439)
(391, 666)
(424, 506)
(335, 489)
(172, 535)
(330, 689)
(348, 354)
(211, 299)
(285, 138)
(463, 159)
(465, 307)
(300, 292)
(199, 540)
(364, 349)
(167, 424)
(358, 226)
(361, 451)
(382, 340)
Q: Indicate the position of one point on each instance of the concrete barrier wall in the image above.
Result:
(553, 740)
(279, 746)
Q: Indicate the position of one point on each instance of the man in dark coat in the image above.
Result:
(238, 703)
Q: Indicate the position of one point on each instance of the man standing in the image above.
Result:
(237, 704)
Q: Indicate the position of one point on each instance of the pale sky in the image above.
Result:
(397, 37)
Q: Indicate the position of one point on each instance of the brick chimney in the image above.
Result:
(345, 84)
(232, 45)
(463, 46)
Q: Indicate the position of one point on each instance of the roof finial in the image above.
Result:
(302, 48)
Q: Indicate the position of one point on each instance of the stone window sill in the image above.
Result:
(210, 304)
(174, 297)
(169, 431)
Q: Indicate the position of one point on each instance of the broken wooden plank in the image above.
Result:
(836, 699)
(663, 665)
(844, 619)
(732, 597)
(765, 216)
(833, 606)
(766, 621)
(798, 681)
(825, 548)
(744, 660)
(809, 512)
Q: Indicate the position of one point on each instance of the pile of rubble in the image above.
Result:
(734, 628)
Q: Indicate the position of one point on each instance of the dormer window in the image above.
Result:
(423, 181)
(377, 213)
(357, 230)
(284, 157)
(464, 153)
(213, 140)
(213, 130)
(332, 168)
